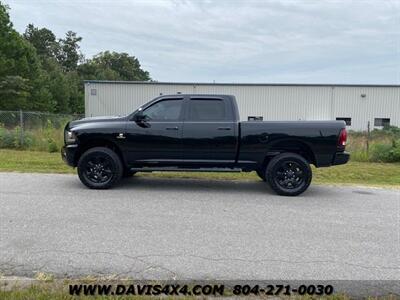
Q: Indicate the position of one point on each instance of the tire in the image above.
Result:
(261, 174)
(100, 168)
(289, 174)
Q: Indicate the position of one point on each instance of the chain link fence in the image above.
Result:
(33, 130)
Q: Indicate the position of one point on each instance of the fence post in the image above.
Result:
(21, 124)
(368, 132)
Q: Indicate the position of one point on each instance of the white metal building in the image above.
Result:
(357, 104)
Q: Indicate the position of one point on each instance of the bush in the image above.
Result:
(395, 131)
(385, 152)
(6, 138)
(52, 147)
(384, 145)
(15, 139)
(380, 152)
(41, 131)
(49, 139)
(394, 154)
(391, 132)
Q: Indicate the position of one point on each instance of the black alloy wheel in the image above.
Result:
(289, 174)
(99, 168)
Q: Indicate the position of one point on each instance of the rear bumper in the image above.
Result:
(340, 158)
(68, 153)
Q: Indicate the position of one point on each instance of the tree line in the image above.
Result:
(41, 72)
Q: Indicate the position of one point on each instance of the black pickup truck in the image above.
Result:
(201, 133)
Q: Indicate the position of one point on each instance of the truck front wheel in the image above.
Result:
(289, 174)
(99, 168)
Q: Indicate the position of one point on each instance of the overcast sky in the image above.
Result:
(235, 41)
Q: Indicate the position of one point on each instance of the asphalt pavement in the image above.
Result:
(157, 228)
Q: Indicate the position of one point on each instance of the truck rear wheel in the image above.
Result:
(289, 174)
(99, 168)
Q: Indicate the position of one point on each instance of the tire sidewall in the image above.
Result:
(276, 162)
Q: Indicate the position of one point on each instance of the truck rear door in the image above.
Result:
(209, 131)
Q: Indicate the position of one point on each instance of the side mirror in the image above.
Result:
(139, 117)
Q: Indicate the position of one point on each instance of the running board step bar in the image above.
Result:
(174, 169)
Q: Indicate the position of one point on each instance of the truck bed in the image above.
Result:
(259, 137)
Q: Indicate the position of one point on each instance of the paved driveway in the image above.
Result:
(155, 228)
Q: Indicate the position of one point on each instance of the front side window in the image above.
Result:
(165, 110)
(207, 110)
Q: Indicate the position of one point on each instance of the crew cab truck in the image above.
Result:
(201, 133)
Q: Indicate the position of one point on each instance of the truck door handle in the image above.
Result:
(224, 128)
(172, 128)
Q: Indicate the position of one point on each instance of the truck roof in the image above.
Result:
(197, 95)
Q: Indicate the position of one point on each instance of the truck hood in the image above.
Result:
(103, 119)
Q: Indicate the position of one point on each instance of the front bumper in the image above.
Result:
(341, 158)
(68, 153)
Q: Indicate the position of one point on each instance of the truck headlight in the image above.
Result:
(70, 137)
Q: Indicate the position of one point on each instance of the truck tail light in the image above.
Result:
(342, 139)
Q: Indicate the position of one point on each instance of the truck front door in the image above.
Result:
(157, 139)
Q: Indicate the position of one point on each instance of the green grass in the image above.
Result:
(32, 161)
(359, 173)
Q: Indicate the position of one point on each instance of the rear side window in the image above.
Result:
(206, 110)
(165, 110)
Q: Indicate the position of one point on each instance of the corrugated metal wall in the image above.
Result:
(273, 102)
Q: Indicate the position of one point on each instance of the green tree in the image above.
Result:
(113, 66)
(40, 72)
(14, 92)
(43, 40)
(21, 76)
(69, 55)
(57, 85)
(57, 59)
(76, 96)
